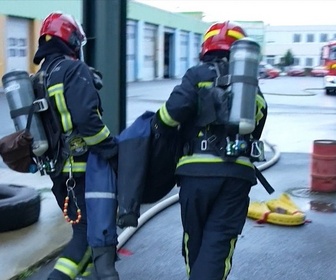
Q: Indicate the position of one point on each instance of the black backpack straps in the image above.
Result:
(263, 181)
(51, 68)
(37, 106)
(223, 80)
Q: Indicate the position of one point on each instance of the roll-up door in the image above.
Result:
(149, 47)
(131, 55)
(197, 48)
(184, 52)
(16, 44)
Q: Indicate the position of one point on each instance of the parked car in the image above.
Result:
(319, 71)
(296, 71)
(268, 71)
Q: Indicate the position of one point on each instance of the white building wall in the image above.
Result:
(280, 39)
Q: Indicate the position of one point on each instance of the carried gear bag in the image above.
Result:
(147, 156)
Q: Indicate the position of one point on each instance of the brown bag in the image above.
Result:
(15, 150)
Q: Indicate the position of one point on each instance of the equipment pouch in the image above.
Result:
(16, 152)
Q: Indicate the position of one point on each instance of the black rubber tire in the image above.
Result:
(19, 207)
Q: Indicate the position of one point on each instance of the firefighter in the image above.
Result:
(73, 90)
(214, 189)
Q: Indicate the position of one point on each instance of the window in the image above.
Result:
(12, 53)
(296, 61)
(270, 61)
(297, 38)
(310, 38)
(309, 62)
(332, 54)
(323, 37)
(22, 42)
(18, 47)
(12, 42)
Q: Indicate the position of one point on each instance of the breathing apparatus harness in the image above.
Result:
(215, 133)
(226, 118)
(62, 146)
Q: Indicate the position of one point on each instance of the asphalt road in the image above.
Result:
(297, 117)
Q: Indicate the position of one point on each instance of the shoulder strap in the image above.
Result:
(263, 181)
(51, 68)
(36, 106)
(222, 80)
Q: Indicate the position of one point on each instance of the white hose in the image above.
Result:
(145, 217)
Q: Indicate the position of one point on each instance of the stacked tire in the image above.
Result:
(19, 207)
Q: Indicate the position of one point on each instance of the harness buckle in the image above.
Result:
(40, 105)
(204, 145)
(223, 81)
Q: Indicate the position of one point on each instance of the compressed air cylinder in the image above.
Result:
(243, 68)
(19, 94)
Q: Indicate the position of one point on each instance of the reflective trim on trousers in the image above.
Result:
(228, 260)
(67, 267)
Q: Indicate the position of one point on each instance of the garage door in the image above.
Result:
(149, 46)
(184, 52)
(197, 48)
(131, 32)
(17, 42)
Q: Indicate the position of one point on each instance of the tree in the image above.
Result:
(288, 59)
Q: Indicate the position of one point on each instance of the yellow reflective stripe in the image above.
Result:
(185, 241)
(210, 34)
(67, 267)
(205, 84)
(97, 138)
(209, 158)
(260, 101)
(199, 158)
(75, 167)
(98, 113)
(57, 91)
(166, 118)
(85, 261)
(88, 270)
(229, 258)
(260, 105)
(235, 34)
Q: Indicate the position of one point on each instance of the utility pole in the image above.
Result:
(105, 27)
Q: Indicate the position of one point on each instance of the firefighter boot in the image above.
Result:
(104, 259)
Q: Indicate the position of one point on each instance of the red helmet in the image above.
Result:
(65, 27)
(220, 36)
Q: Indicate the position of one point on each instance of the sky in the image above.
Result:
(273, 12)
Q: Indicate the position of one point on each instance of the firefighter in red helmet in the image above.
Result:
(72, 88)
(214, 188)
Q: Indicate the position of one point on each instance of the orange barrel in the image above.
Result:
(323, 166)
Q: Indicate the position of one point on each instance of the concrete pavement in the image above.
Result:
(22, 248)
